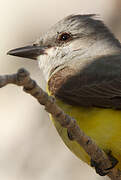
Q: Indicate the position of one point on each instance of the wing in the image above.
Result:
(98, 84)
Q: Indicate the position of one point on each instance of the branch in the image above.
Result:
(22, 78)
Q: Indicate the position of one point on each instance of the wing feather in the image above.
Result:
(97, 85)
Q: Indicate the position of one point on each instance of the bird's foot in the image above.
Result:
(103, 172)
(70, 136)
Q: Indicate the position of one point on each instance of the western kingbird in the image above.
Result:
(81, 62)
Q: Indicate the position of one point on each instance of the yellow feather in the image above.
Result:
(102, 125)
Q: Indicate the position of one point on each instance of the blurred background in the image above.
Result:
(30, 148)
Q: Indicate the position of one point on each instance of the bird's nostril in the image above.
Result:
(35, 44)
(49, 46)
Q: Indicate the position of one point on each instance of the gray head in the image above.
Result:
(69, 42)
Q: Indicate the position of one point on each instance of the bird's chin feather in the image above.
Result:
(50, 60)
(44, 65)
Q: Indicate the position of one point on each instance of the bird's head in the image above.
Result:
(69, 42)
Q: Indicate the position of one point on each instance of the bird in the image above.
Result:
(81, 62)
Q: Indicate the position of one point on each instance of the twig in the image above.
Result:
(22, 78)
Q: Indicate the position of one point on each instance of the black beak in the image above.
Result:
(31, 52)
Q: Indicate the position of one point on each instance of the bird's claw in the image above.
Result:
(103, 172)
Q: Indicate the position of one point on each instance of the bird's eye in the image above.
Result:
(64, 37)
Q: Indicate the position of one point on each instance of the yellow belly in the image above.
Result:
(102, 125)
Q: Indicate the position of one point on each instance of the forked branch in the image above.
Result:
(22, 78)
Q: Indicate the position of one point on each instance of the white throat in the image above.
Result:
(48, 61)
